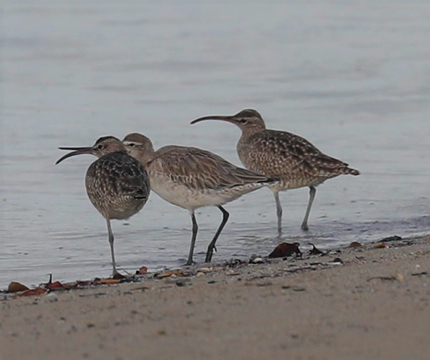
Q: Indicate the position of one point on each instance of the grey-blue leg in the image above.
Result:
(111, 247)
(312, 192)
(278, 211)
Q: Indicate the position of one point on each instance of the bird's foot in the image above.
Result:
(210, 253)
(209, 256)
(117, 275)
(305, 227)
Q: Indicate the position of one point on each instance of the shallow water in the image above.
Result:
(351, 78)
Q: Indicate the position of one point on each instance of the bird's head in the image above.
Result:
(104, 145)
(139, 146)
(248, 120)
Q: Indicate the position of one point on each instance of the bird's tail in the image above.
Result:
(269, 181)
(350, 171)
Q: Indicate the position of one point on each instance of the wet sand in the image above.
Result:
(370, 304)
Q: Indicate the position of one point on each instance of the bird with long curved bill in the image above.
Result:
(283, 155)
(116, 183)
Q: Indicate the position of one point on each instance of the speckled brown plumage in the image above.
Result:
(117, 184)
(192, 178)
(290, 158)
(280, 154)
(201, 170)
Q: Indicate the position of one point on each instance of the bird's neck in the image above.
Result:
(249, 131)
(147, 155)
(144, 159)
(242, 144)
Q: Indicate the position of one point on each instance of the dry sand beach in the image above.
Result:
(354, 303)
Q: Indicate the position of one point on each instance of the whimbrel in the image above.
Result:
(279, 154)
(117, 184)
(191, 178)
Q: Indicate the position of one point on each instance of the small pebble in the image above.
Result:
(298, 288)
(232, 273)
(257, 260)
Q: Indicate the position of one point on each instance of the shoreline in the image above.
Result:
(362, 302)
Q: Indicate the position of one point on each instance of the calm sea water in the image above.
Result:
(352, 78)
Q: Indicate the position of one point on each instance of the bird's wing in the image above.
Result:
(125, 175)
(200, 169)
(279, 152)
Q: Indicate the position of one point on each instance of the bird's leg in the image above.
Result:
(111, 247)
(193, 239)
(312, 192)
(278, 211)
(211, 247)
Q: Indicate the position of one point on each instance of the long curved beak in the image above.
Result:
(213, 117)
(77, 151)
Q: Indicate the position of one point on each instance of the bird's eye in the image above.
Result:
(99, 147)
(131, 144)
(243, 121)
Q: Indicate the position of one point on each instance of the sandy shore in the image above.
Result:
(370, 304)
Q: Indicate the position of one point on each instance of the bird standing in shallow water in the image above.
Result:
(117, 184)
(191, 178)
(279, 154)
